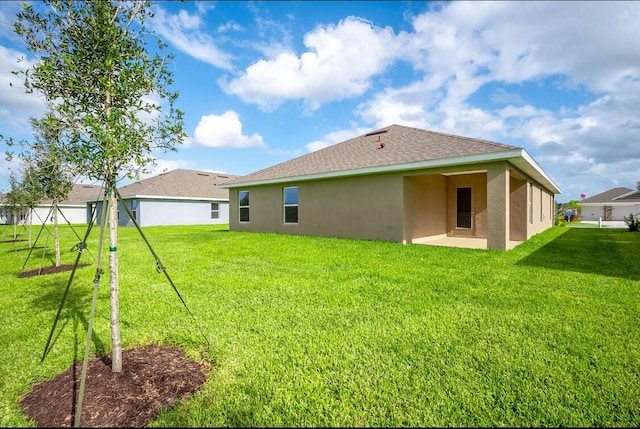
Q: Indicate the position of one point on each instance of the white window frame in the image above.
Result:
(247, 207)
(286, 205)
(134, 209)
(215, 213)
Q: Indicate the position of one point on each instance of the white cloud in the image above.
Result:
(501, 96)
(184, 32)
(224, 130)
(605, 131)
(6, 168)
(16, 106)
(526, 111)
(8, 11)
(462, 46)
(229, 26)
(340, 61)
(160, 166)
(588, 42)
(335, 137)
(164, 165)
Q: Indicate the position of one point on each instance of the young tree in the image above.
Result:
(99, 79)
(46, 172)
(15, 202)
(575, 206)
(31, 196)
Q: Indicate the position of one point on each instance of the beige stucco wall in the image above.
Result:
(424, 200)
(405, 206)
(540, 213)
(367, 207)
(518, 217)
(527, 207)
(498, 206)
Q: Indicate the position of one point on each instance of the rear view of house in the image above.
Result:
(400, 184)
(177, 197)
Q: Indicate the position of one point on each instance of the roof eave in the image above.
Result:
(612, 203)
(625, 195)
(167, 197)
(519, 157)
(533, 169)
(163, 197)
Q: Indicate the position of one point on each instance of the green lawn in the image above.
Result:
(308, 331)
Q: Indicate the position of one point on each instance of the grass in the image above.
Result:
(308, 331)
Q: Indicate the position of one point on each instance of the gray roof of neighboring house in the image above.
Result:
(78, 195)
(392, 148)
(618, 195)
(180, 183)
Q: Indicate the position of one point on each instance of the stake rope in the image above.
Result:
(159, 266)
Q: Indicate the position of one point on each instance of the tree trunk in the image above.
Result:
(30, 224)
(56, 236)
(116, 354)
(15, 226)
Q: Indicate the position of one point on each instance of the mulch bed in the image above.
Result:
(153, 378)
(48, 270)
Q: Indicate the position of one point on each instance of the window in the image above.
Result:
(215, 210)
(243, 204)
(134, 209)
(291, 204)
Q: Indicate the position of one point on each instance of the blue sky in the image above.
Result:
(264, 82)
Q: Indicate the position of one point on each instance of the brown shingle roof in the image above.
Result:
(391, 145)
(614, 195)
(79, 194)
(631, 197)
(180, 183)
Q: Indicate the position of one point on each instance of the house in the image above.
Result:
(177, 197)
(400, 184)
(612, 205)
(71, 210)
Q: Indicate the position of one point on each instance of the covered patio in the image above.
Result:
(464, 242)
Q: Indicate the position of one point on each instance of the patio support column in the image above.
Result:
(498, 206)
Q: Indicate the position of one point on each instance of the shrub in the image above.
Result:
(633, 222)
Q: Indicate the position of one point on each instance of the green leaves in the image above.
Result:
(95, 72)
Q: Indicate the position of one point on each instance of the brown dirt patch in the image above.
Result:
(153, 378)
(48, 270)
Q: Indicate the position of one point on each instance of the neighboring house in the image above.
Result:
(177, 197)
(6, 217)
(612, 205)
(400, 184)
(72, 209)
